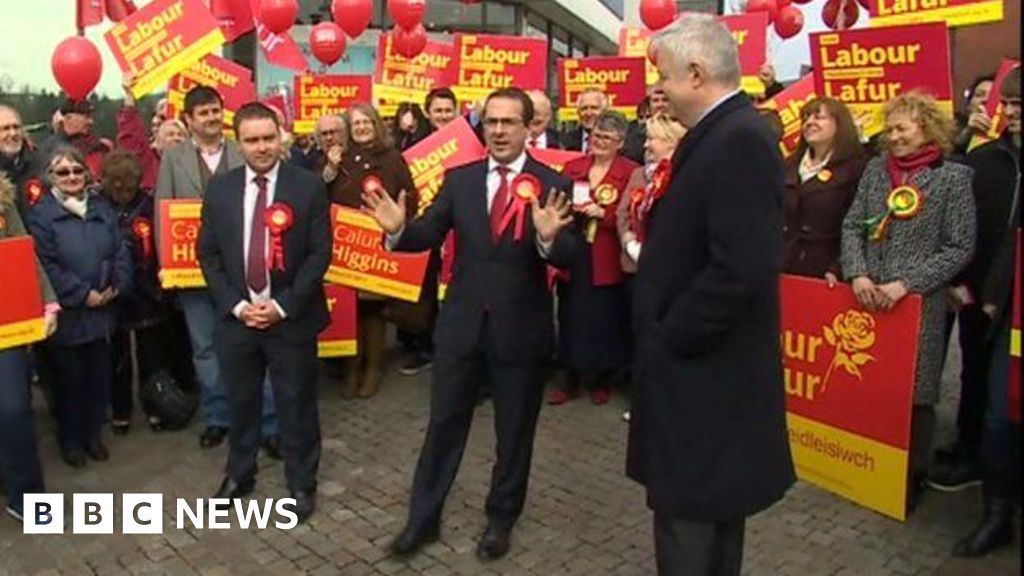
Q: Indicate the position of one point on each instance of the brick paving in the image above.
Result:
(583, 517)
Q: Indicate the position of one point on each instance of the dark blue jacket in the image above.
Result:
(80, 255)
(145, 304)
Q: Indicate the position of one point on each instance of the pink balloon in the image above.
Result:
(409, 43)
(76, 66)
(352, 15)
(789, 22)
(327, 42)
(278, 15)
(656, 14)
(407, 13)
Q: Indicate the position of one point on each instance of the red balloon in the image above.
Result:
(77, 66)
(656, 14)
(407, 13)
(409, 43)
(830, 14)
(352, 15)
(278, 15)
(327, 42)
(808, 1)
(866, 4)
(769, 6)
(789, 22)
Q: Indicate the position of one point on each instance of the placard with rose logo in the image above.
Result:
(849, 377)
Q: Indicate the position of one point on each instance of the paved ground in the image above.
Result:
(582, 517)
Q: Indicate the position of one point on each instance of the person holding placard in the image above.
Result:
(911, 230)
(19, 448)
(510, 214)
(594, 343)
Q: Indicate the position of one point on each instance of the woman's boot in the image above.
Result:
(996, 527)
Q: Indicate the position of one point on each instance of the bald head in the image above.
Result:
(541, 113)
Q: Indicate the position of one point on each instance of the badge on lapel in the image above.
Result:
(279, 218)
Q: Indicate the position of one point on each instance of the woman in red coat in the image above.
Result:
(593, 313)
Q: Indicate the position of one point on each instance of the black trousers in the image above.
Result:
(147, 360)
(516, 393)
(688, 548)
(975, 355)
(245, 357)
(81, 390)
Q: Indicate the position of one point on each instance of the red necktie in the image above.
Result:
(533, 142)
(256, 267)
(500, 203)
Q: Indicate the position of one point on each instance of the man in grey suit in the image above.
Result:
(185, 171)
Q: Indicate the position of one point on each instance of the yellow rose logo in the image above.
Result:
(852, 334)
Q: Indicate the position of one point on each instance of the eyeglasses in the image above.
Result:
(603, 137)
(65, 172)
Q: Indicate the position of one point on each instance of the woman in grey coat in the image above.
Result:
(910, 230)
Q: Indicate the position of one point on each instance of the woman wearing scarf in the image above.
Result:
(593, 311)
(821, 180)
(88, 262)
(910, 230)
(370, 160)
(19, 455)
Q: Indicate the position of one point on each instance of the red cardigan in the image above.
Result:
(606, 249)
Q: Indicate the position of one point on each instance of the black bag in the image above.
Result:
(163, 397)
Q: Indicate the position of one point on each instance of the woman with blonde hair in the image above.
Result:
(910, 230)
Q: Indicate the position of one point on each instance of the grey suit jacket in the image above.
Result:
(179, 175)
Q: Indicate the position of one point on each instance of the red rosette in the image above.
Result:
(660, 179)
(33, 191)
(525, 187)
(143, 230)
(372, 183)
(605, 195)
(278, 218)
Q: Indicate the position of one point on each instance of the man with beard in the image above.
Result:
(185, 171)
(18, 160)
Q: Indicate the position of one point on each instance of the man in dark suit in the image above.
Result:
(542, 135)
(496, 317)
(264, 246)
(708, 433)
(636, 138)
(589, 105)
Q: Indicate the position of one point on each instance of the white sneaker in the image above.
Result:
(15, 513)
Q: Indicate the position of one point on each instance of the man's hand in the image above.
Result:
(266, 314)
(766, 74)
(387, 212)
(990, 311)
(94, 299)
(50, 323)
(334, 154)
(888, 295)
(865, 291)
(550, 217)
(592, 211)
(980, 121)
(126, 84)
(250, 316)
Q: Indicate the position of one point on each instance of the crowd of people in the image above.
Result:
(662, 253)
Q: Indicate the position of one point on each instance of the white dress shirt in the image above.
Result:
(212, 159)
(714, 105)
(248, 206)
(540, 141)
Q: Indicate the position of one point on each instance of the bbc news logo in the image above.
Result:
(144, 514)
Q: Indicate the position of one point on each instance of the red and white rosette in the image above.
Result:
(372, 183)
(279, 218)
(525, 187)
(34, 191)
(142, 228)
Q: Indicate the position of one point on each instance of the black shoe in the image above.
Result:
(74, 457)
(155, 424)
(97, 451)
(272, 446)
(915, 489)
(994, 531)
(233, 490)
(955, 476)
(413, 538)
(305, 504)
(120, 427)
(493, 544)
(416, 364)
(958, 450)
(212, 436)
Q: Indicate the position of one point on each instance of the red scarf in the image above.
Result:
(641, 200)
(901, 170)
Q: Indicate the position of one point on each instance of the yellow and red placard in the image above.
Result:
(866, 68)
(621, 79)
(21, 308)
(484, 63)
(849, 378)
(361, 262)
(952, 12)
(1015, 387)
(339, 338)
(751, 34)
(400, 79)
(994, 106)
(554, 159)
(161, 39)
(634, 42)
(454, 145)
(232, 81)
(179, 232)
(317, 96)
(788, 104)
